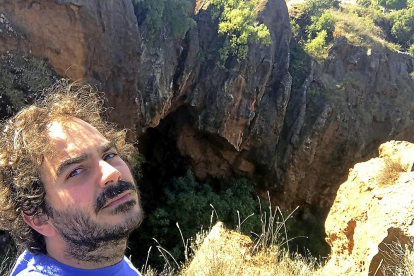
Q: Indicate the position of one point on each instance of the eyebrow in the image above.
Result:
(79, 159)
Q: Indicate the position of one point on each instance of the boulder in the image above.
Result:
(372, 213)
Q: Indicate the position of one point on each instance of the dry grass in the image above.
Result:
(361, 31)
(226, 252)
(402, 260)
(390, 173)
(233, 254)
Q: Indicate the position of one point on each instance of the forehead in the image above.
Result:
(73, 134)
(68, 139)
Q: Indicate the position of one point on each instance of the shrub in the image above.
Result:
(315, 8)
(189, 204)
(402, 26)
(390, 173)
(21, 78)
(411, 49)
(392, 4)
(361, 30)
(156, 12)
(326, 21)
(316, 47)
(237, 20)
(365, 3)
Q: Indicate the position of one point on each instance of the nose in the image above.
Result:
(110, 174)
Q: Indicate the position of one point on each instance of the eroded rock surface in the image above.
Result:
(96, 41)
(243, 119)
(373, 209)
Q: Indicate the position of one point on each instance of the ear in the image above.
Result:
(40, 223)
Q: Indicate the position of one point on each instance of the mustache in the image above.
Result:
(112, 192)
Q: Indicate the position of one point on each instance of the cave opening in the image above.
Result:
(163, 160)
(175, 147)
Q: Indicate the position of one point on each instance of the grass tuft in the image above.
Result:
(390, 172)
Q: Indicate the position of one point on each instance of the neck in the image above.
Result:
(85, 256)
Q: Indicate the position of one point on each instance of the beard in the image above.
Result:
(91, 241)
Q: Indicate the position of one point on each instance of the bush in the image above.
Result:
(237, 20)
(316, 8)
(156, 12)
(411, 49)
(403, 26)
(189, 204)
(392, 4)
(316, 47)
(365, 3)
(21, 78)
(326, 21)
(390, 173)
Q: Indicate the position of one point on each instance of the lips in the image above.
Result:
(118, 199)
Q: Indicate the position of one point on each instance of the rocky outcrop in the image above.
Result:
(97, 41)
(222, 250)
(372, 213)
(241, 118)
(357, 99)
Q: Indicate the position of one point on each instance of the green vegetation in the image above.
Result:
(153, 13)
(21, 78)
(385, 25)
(316, 47)
(325, 22)
(402, 26)
(237, 20)
(195, 206)
(391, 4)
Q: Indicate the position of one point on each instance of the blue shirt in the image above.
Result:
(41, 265)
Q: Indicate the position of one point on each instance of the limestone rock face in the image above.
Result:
(240, 118)
(372, 208)
(361, 99)
(96, 41)
(240, 106)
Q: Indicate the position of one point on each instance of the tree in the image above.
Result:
(238, 22)
(173, 12)
(392, 4)
(403, 26)
(326, 21)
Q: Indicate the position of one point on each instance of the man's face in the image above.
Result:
(90, 192)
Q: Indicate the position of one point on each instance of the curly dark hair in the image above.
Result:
(23, 143)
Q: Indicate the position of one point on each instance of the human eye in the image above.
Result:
(109, 155)
(75, 172)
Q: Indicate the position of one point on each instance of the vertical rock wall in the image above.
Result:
(242, 118)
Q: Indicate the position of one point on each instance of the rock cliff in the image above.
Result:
(371, 220)
(97, 41)
(242, 119)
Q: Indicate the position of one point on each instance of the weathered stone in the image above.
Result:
(303, 144)
(372, 209)
(96, 41)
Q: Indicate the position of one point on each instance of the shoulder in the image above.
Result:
(128, 269)
(33, 265)
(31, 273)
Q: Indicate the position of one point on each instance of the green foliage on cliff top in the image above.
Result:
(238, 22)
(174, 13)
(402, 29)
(391, 4)
(363, 25)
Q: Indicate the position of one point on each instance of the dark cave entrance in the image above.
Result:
(163, 159)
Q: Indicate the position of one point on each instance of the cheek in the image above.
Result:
(126, 173)
(76, 196)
